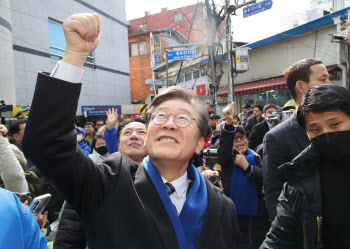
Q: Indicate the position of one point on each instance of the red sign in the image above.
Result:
(201, 90)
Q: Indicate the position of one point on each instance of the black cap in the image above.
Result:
(240, 128)
(214, 116)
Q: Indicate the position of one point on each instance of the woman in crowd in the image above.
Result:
(84, 146)
(99, 149)
(242, 181)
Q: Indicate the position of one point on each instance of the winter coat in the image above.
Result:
(253, 228)
(299, 211)
(96, 157)
(85, 148)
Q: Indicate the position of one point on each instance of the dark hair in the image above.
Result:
(250, 112)
(299, 71)
(98, 136)
(90, 123)
(258, 106)
(14, 128)
(125, 122)
(323, 98)
(268, 106)
(236, 116)
(186, 95)
(100, 121)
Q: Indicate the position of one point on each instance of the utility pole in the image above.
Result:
(229, 54)
(211, 34)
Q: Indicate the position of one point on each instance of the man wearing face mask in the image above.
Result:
(81, 141)
(314, 204)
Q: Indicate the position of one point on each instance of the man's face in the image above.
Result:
(318, 123)
(98, 125)
(88, 129)
(319, 76)
(170, 142)
(131, 141)
(245, 109)
(240, 142)
(213, 122)
(19, 136)
(270, 111)
(256, 112)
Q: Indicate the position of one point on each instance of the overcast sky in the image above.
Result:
(248, 29)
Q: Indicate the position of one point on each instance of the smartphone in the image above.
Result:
(23, 196)
(39, 203)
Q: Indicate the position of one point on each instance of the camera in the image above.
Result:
(214, 179)
(2, 106)
(279, 116)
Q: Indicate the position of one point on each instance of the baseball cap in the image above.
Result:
(81, 130)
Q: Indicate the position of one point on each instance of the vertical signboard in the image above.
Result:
(157, 53)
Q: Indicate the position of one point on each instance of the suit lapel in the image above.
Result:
(154, 206)
(211, 222)
(266, 127)
(299, 133)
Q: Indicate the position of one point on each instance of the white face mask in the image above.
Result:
(79, 138)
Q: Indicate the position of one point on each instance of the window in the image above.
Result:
(138, 48)
(143, 27)
(181, 78)
(195, 74)
(178, 17)
(202, 73)
(188, 76)
(58, 44)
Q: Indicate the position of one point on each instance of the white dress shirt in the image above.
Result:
(178, 198)
(270, 125)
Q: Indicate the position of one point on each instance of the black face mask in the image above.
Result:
(102, 150)
(333, 145)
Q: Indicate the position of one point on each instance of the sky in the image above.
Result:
(249, 29)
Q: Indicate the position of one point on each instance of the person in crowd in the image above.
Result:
(236, 120)
(16, 131)
(99, 149)
(90, 132)
(242, 181)
(214, 119)
(19, 228)
(111, 131)
(289, 106)
(258, 118)
(288, 139)
(98, 125)
(210, 108)
(11, 172)
(102, 130)
(313, 206)
(83, 145)
(244, 114)
(258, 132)
(154, 216)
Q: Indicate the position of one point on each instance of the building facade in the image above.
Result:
(33, 40)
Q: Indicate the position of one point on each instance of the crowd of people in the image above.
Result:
(143, 182)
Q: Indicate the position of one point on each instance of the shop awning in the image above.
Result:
(276, 83)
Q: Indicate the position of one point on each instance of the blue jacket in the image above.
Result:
(85, 148)
(111, 140)
(19, 228)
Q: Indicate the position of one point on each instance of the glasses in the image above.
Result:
(182, 120)
(241, 137)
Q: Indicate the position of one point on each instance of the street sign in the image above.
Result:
(257, 8)
(182, 54)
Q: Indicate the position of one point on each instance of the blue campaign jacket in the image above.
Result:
(19, 228)
(85, 148)
(111, 140)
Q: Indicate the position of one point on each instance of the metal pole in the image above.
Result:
(228, 51)
(167, 68)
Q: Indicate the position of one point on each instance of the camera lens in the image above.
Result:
(214, 179)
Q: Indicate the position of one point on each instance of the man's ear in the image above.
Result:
(300, 88)
(199, 145)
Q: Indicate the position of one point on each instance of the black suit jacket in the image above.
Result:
(257, 134)
(118, 204)
(281, 145)
(251, 123)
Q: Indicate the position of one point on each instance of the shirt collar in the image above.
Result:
(180, 184)
(270, 125)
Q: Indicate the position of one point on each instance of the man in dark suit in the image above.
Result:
(283, 143)
(259, 130)
(162, 203)
(258, 118)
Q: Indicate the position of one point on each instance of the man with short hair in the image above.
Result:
(288, 139)
(313, 208)
(258, 118)
(98, 125)
(16, 130)
(259, 130)
(89, 128)
(164, 202)
(244, 114)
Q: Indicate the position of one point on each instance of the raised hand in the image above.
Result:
(3, 130)
(112, 117)
(228, 112)
(82, 34)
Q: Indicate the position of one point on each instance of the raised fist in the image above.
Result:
(228, 112)
(82, 34)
